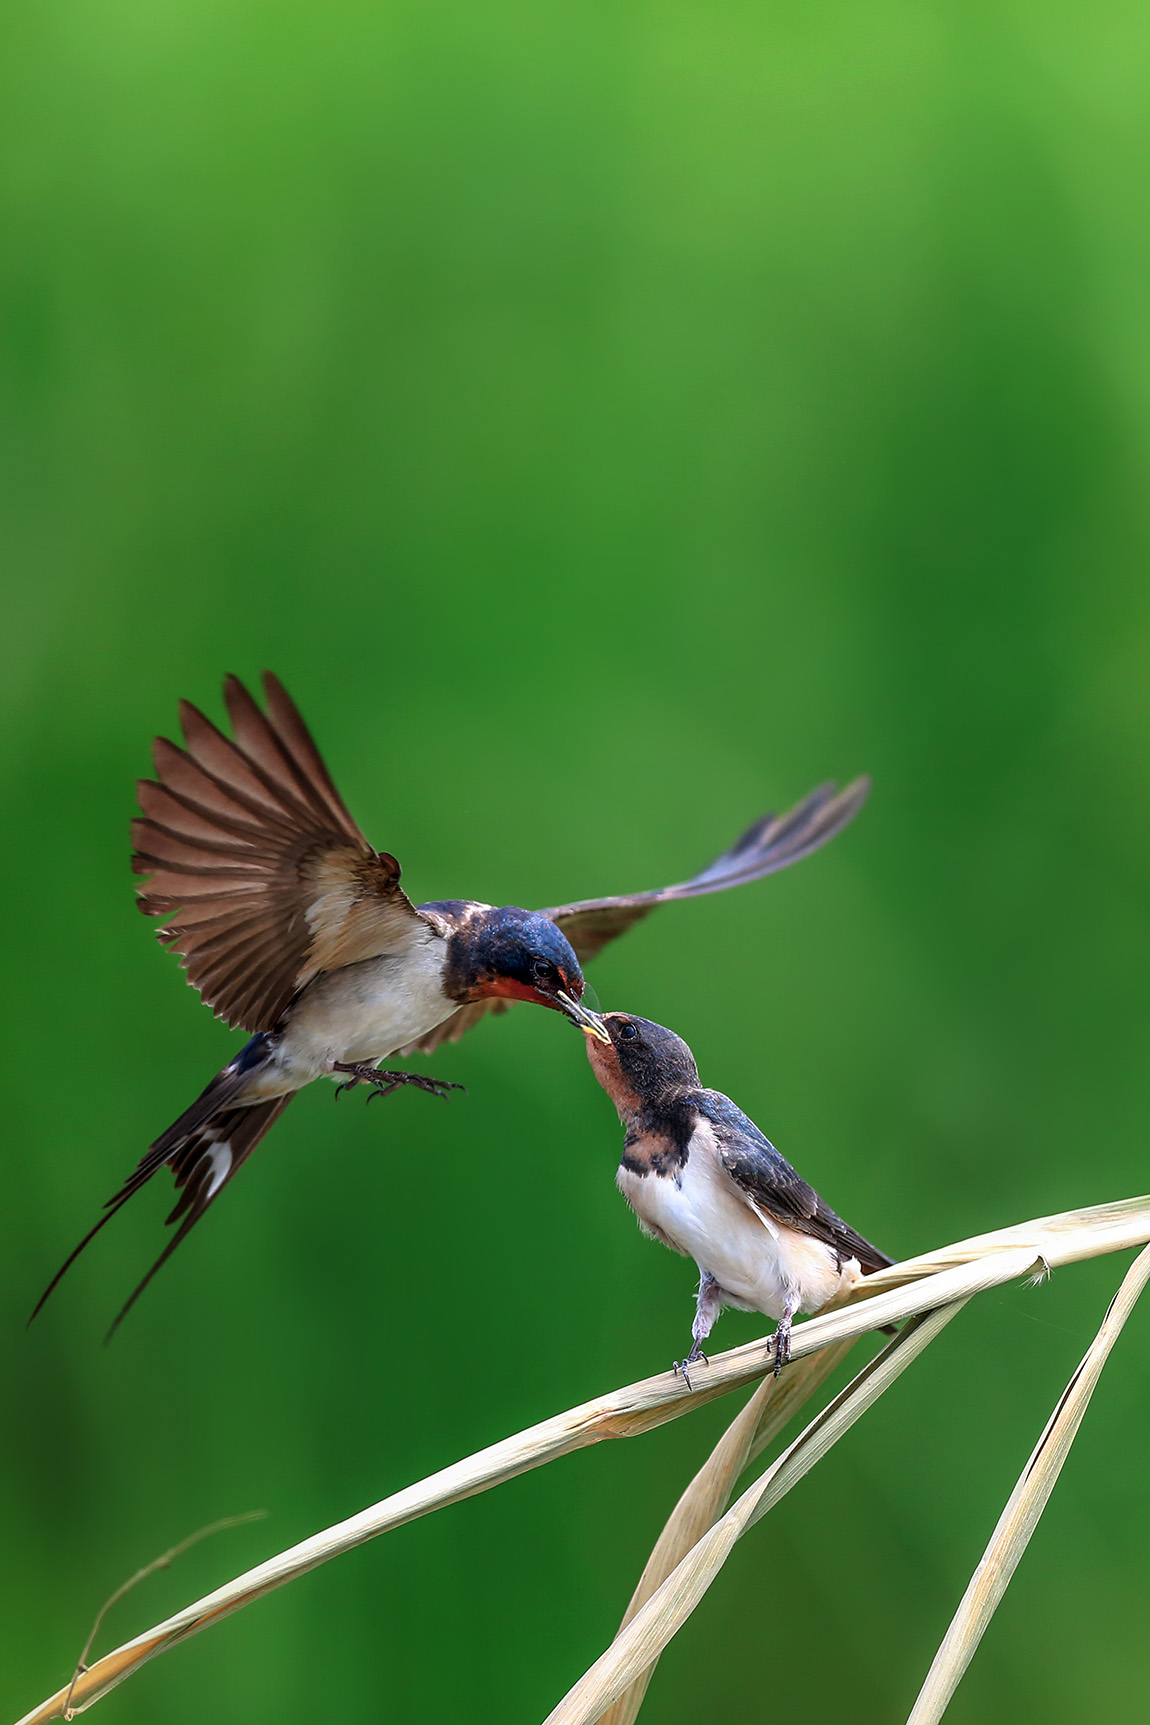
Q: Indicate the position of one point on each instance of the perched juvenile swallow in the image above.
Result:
(702, 1178)
(293, 927)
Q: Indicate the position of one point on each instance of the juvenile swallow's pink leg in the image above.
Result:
(708, 1304)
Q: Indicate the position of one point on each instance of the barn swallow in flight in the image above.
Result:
(702, 1178)
(293, 927)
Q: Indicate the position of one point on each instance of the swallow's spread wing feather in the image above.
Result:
(266, 878)
(774, 842)
(772, 1184)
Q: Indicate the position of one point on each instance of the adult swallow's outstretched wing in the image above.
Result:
(774, 842)
(266, 877)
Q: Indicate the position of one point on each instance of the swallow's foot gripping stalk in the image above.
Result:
(683, 1367)
(782, 1341)
(384, 1082)
(708, 1305)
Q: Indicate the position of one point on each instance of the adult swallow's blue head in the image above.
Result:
(511, 954)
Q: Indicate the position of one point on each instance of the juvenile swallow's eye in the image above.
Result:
(627, 1032)
(543, 970)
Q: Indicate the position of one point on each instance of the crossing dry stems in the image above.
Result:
(907, 1291)
(695, 1543)
(1024, 1507)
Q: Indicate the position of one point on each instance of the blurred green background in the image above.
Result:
(609, 421)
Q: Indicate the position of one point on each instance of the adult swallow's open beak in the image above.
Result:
(589, 1022)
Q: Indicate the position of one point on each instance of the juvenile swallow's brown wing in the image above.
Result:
(773, 843)
(252, 854)
(767, 1178)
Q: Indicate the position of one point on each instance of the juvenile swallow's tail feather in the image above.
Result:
(848, 1244)
(203, 1148)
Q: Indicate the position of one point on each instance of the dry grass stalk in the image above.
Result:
(164, 1561)
(636, 1648)
(1066, 1238)
(773, 1405)
(1023, 1510)
(970, 1267)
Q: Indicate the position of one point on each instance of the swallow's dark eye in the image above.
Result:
(627, 1032)
(543, 970)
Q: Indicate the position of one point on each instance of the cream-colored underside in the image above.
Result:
(761, 1265)
(361, 1013)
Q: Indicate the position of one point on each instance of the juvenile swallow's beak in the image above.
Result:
(589, 1022)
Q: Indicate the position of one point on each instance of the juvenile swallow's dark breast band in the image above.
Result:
(659, 1142)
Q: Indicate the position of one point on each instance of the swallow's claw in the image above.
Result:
(384, 1082)
(443, 1087)
(380, 1090)
(433, 1086)
(681, 1368)
(782, 1344)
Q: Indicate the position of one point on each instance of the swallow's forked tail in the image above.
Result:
(203, 1148)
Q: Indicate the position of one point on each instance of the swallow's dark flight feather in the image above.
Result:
(702, 1178)
(293, 927)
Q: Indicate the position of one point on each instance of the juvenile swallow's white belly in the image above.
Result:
(761, 1265)
(365, 1011)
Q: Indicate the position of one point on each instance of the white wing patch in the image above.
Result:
(220, 1157)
